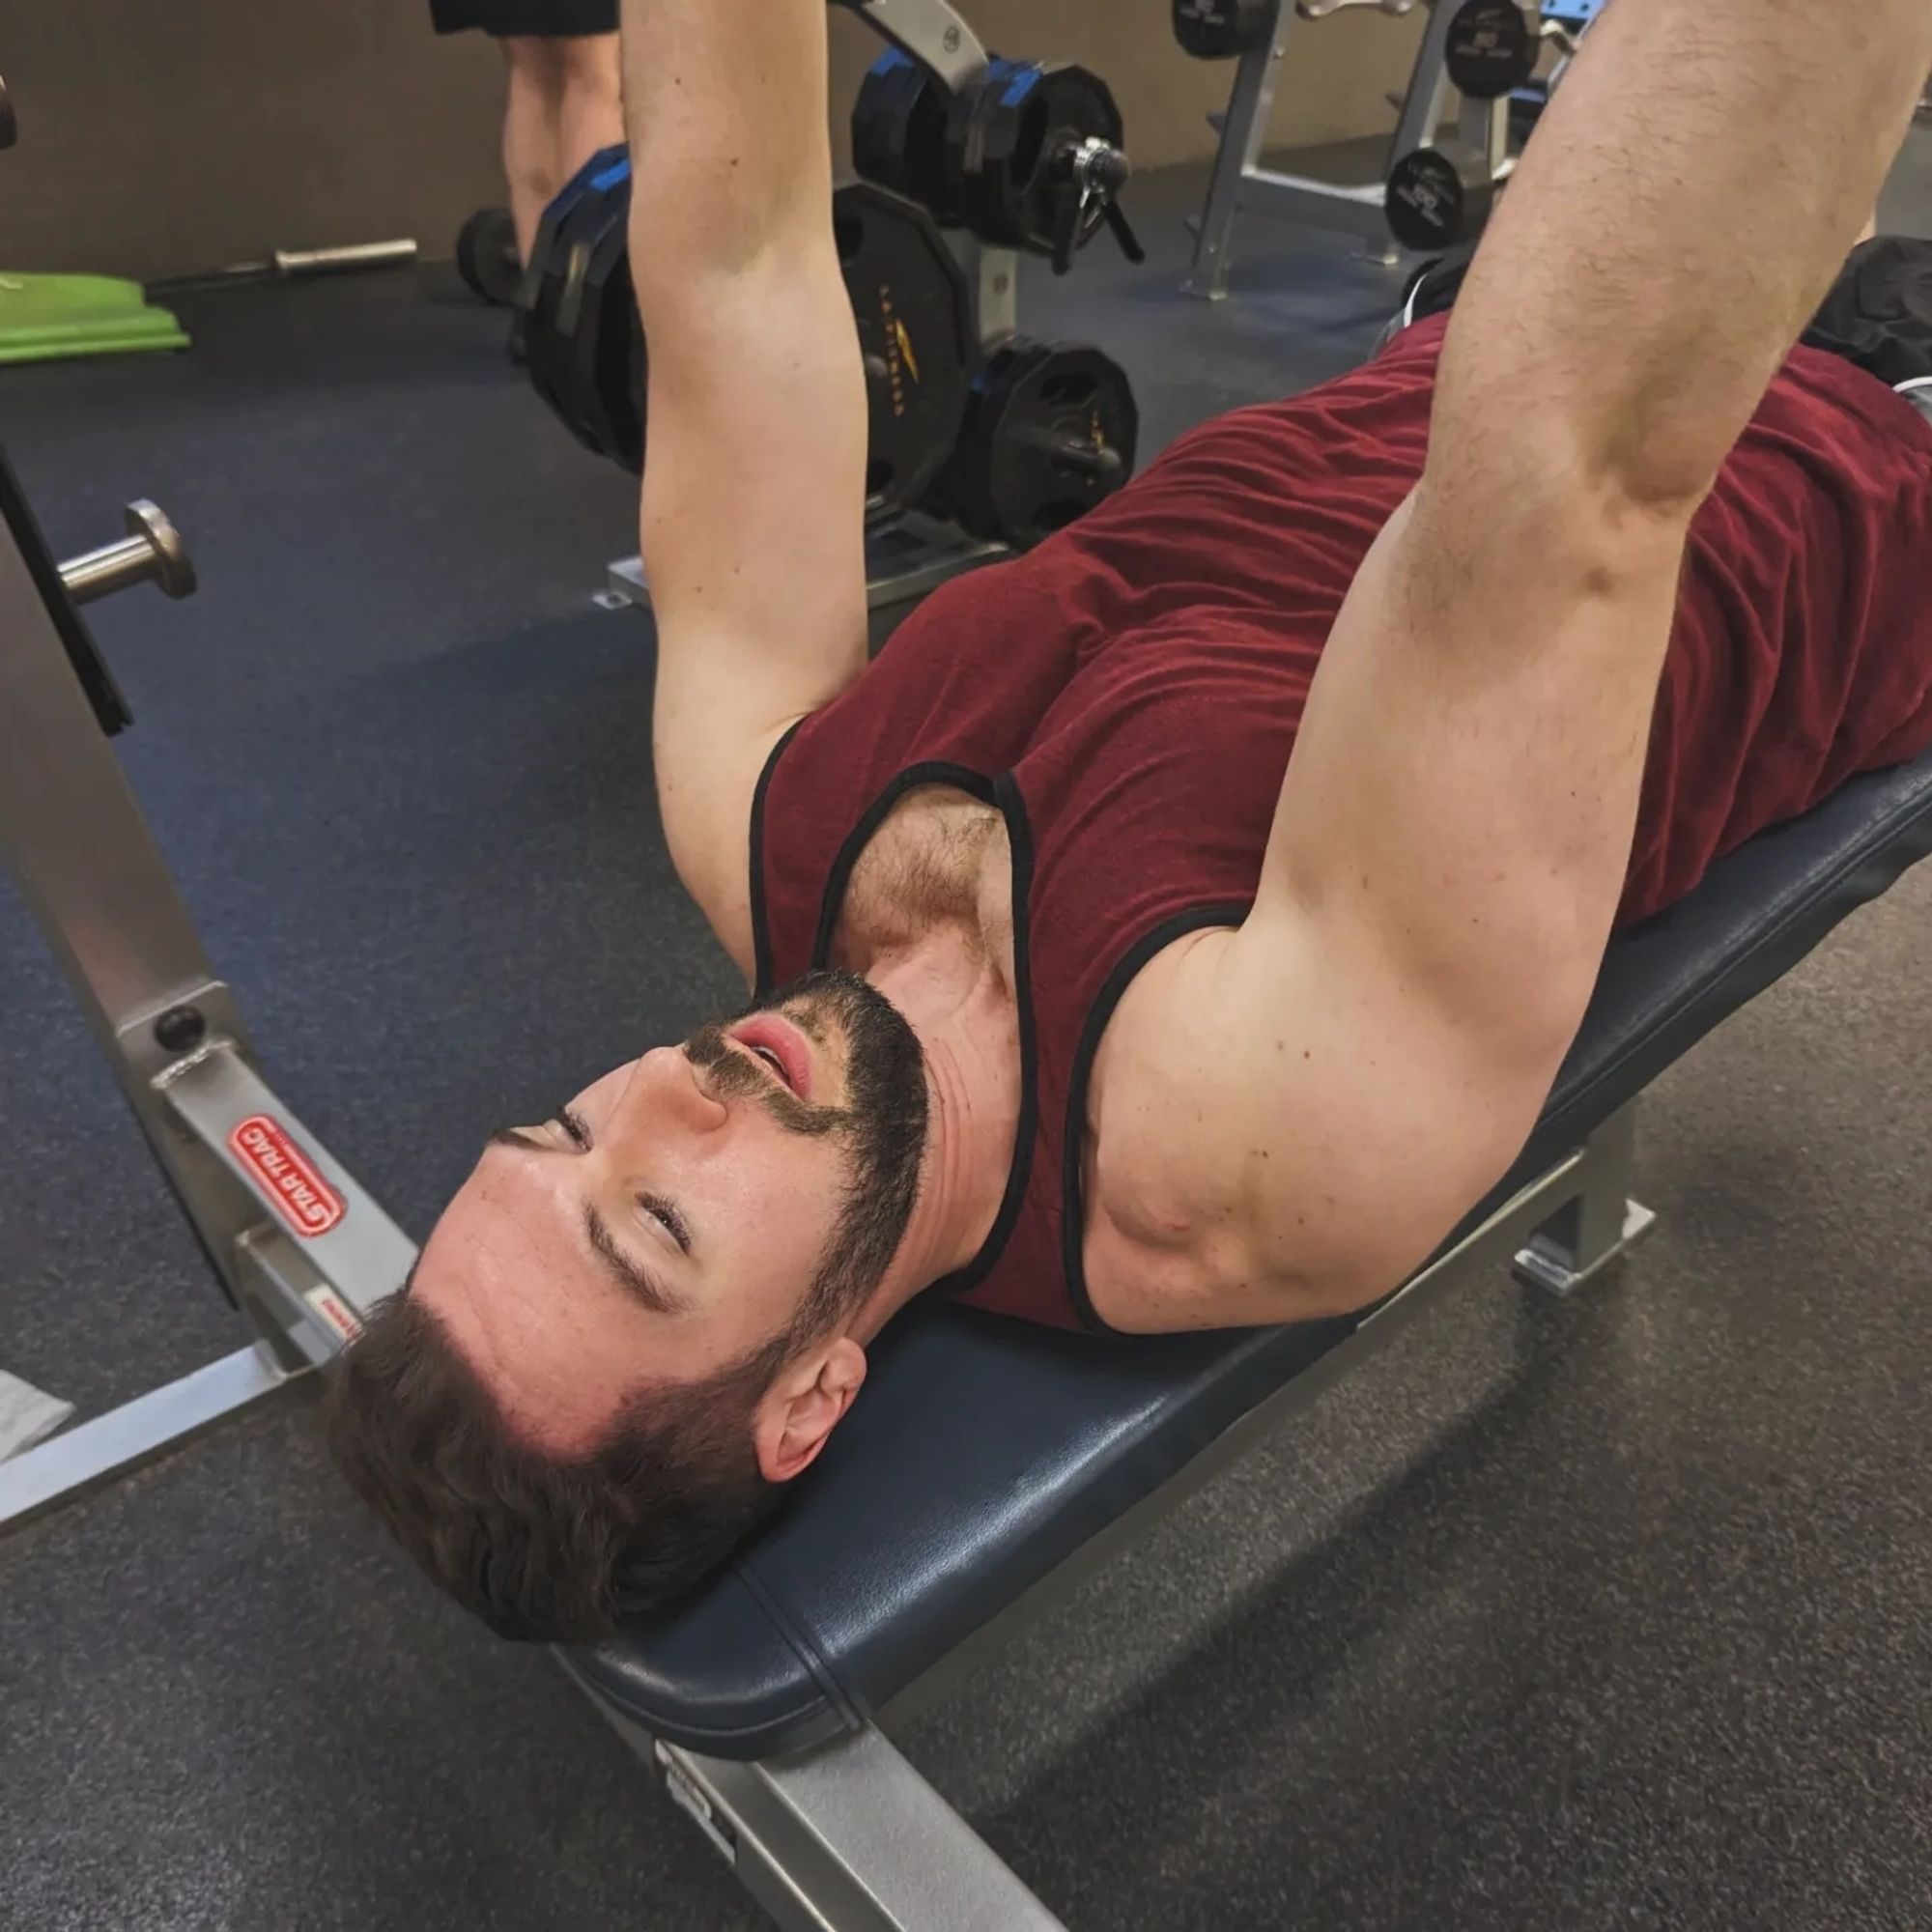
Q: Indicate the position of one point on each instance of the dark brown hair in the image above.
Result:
(540, 1549)
(557, 1549)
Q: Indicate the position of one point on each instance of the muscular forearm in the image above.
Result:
(1683, 208)
(729, 148)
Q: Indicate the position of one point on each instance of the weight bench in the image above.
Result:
(923, 1537)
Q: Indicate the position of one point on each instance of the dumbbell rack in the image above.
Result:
(915, 553)
(1241, 186)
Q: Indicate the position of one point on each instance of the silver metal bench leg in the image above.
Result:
(1243, 128)
(845, 1837)
(65, 1467)
(1599, 1223)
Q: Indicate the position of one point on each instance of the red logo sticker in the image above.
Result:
(336, 1312)
(287, 1175)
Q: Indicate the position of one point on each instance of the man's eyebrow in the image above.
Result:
(636, 1282)
(522, 1139)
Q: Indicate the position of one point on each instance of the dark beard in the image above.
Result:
(882, 1127)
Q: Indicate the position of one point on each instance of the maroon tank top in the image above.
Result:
(1127, 695)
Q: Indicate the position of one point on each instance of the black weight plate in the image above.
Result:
(898, 127)
(486, 256)
(1438, 198)
(10, 125)
(1491, 48)
(607, 342)
(1050, 432)
(910, 303)
(1220, 29)
(1000, 137)
(553, 294)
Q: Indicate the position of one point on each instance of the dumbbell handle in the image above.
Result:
(152, 550)
(1319, 10)
(1099, 461)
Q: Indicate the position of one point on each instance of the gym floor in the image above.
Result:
(1609, 1613)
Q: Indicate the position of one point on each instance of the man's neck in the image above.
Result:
(964, 1015)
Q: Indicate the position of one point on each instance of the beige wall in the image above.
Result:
(161, 137)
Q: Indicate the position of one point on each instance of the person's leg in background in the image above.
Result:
(563, 102)
(532, 96)
(591, 107)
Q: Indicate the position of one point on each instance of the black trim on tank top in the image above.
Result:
(1073, 1208)
(1026, 1128)
(761, 937)
(1003, 794)
(931, 772)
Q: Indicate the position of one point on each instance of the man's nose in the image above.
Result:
(664, 1091)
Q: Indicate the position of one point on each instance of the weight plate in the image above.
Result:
(910, 303)
(1491, 48)
(576, 230)
(899, 129)
(1220, 29)
(608, 356)
(1001, 138)
(1438, 198)
(1050, 432)
(486, 256)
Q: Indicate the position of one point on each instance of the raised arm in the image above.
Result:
(754, 493)
(1454, 825)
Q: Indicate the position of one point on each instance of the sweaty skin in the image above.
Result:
(1454, 827)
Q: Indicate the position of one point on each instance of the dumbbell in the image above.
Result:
(1319, 10)
(1439, 198)
(1491, 48)
(1221, 29)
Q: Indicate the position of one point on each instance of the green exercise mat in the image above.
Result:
(42, 317)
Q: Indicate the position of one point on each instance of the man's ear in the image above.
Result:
(802, 1407)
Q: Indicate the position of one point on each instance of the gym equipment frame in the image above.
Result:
(1240, 185)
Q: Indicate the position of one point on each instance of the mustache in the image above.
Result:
(732, 1074)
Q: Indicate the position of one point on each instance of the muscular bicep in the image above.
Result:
(1303, 1124)
(1446, 858)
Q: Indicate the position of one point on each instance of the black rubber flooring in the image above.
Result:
(1614, 1613)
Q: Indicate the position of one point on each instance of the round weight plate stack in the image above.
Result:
(1491, 48)
(608, 340)
(551, 296)
(1438, 198)
(898, 128)
(486, 256)
(1000, 140)
(1220, 29)
(910, 301)
(1050, 432)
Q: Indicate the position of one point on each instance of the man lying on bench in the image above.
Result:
(1077, 997)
